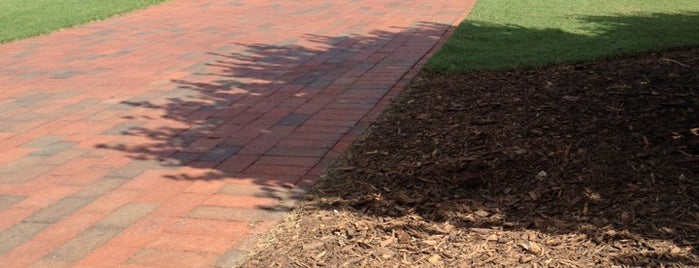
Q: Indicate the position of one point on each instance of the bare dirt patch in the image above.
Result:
(581, 165)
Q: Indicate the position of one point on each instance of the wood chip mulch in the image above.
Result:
(580, 165)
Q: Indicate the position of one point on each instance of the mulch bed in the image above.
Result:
(581, 165)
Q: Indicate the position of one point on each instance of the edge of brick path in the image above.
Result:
(238, 255)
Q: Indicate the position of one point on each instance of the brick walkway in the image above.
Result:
(175, 136)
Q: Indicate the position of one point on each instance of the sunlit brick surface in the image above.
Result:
(176, 135)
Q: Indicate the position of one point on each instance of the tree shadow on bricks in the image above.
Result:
(273, 115)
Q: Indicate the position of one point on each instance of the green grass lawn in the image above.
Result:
(502, 34)
(24, 18)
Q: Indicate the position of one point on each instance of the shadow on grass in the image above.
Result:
(265, 100)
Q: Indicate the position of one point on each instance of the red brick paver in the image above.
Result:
(177, 135)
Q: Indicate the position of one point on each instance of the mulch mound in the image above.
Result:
(581, 165)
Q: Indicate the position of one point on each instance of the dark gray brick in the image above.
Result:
(121, 52)
(64, 74)
(66, 156)
(29, 116)
(53, 148)
(141, 101)
(235, 214)
(181, 94)
(7, 107)
(290, 151)
(103, 33)
(32, 76)
(119, 106)
(100, 187)
(32, 98)
(83, 244)
(18, 234)
(183, 140)
(17, 126)
(293, 120)
(318, 85)
(43, 141)
(180, 159)
(188, 56)
(133, 169)
(123, 128)
(197, 68)
(7, 201)
(126, 215)
(213, 122)
(252, 190)
(195, 131)
(24, 169)
(58, 210)
(64, 94)
(219, 153)
(95, 56)
(313, 9)
(306, 78)
(81, 105)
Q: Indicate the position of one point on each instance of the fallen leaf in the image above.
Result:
(313, 245)
(525, 259)
(675, 251)
(481, 213)
(435, 259)
(571, 98)
(481, 230)
(403, 237)
(625, 217)
(386, 242)
(320, 255)
(536, 248)
(532, 247)
(541, 175)
(533, 195)
(430, 242)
